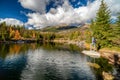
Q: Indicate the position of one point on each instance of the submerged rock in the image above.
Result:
(94, 65)
(107, 76)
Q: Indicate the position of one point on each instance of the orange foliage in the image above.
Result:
(15, 49)
(17, 35)
(33, 35)
(11, 30)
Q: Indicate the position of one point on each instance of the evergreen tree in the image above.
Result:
(92, 27)
(4, 32)
(101, 26)
(116, 32)
(117, 28)
(118, 20)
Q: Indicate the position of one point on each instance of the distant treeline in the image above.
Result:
(9, 32)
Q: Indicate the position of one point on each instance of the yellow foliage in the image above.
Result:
(15, 49)
(17, 35)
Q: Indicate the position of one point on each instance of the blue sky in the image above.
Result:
(13, 9)
(41, 13)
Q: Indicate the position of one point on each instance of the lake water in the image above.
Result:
(48, 61)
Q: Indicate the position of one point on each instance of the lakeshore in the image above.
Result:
(54, 59)
(109, 54)
(106, 53)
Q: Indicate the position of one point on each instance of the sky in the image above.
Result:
(42, 13)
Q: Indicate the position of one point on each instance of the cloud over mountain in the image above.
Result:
(11, 21)
(64, 13)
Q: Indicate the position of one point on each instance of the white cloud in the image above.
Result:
(64, 14)
(114, 5)
(11, 21)
(35, 5)
(38, 5)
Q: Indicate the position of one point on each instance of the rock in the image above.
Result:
(112, 57)
(107, 76)
(91, 53)
(94, 65)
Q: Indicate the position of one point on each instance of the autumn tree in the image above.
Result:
(17, 35)
(33, 34)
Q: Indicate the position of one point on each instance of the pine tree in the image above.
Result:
(117, 28)
(118, 19)
(116, 32)
(92, 28)
(4, 32)
(101, 26)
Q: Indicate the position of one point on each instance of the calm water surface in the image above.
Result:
(48, 62)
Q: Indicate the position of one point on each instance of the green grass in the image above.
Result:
(112, 49)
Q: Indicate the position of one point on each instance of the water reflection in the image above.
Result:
(56, 65)
(11, 67)
(45, 61)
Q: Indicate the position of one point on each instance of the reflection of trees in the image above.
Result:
(4, 50)
(58, 46)
(15, 48)
(21, 48)
(104, 66)
(74, 48)
(10, 49)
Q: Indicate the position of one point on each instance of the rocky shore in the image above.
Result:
(112, 55)
(114, 58)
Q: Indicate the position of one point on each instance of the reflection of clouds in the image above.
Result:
(15, 59)
(12, 57)
(11, 66)
(60, 65)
